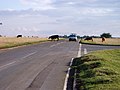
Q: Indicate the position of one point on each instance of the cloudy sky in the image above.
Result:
(46, 17)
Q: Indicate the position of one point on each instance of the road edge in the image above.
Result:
(68, 71)
(67, 75)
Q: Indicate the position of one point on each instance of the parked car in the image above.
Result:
(73, 37)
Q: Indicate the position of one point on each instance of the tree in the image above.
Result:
(78, 36)
(106, 35)
(65, 36)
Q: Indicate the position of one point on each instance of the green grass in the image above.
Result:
(98, 70)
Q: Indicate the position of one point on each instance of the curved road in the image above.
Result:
(89, 48)
(39, 67)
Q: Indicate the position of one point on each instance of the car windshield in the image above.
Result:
(72, 35)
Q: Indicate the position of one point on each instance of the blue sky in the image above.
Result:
(46, 17)
(8, 4)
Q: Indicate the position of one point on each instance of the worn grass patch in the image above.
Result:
(98, 70)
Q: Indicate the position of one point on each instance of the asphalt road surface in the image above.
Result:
(41, 66)
(37, 67)
(89, 48)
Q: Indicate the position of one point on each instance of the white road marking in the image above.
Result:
(28, 55)
(67, 76)
(52, 45)
(74, 82)
(6, 65)
(79, 55)
(85, 51)
(79, 51)
(1, 67)
(59, 43)
(56, 44)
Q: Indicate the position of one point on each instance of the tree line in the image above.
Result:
(105, 35)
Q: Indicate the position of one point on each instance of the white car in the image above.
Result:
(73, 37)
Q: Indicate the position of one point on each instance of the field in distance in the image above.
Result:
(108, 41)
(8, 42)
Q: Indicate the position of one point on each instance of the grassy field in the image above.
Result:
(8, 42)
(108, 41)
(98, 70)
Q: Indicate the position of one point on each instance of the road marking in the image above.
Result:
(6, 65)
(1, 67)
(68, 72)
(52, 45)
(59, 43)
(85, 51)
(74, 82)
(56, 44)
(67, 76)
(79, 51)
(79, 55)
(28, 55)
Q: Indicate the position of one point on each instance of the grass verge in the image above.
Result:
(19, 44)
(98, 70)
(14, 42)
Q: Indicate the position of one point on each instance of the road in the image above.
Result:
(89, 48)
(39, 67)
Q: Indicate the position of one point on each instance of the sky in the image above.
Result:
(62, 17)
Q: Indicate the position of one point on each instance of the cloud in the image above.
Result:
(63, 16)
(96, 11)
(38, 4)
(71, 7)
(52, 4)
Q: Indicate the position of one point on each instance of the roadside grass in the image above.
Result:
(9, 42)
(108, 41)
(98, 70)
